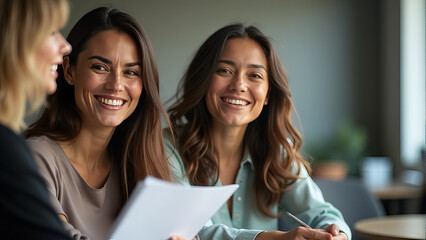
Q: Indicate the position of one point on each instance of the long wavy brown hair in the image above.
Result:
(265, 138)
(137, 143)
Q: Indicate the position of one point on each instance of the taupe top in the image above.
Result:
(90, 212)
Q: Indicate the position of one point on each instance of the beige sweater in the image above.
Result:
(90, 212)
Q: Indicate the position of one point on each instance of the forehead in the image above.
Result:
(245, 49)
(112, 43)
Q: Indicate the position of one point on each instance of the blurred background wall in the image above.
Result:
(342, 57)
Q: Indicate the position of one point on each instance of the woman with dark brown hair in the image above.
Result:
(100, 133)
(233, 125)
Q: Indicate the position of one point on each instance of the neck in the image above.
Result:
(228, 142)
(89, 147)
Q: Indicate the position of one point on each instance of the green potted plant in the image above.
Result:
(340, 156)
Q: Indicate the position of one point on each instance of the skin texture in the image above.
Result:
(108, 68)
(49, 56)
(240, 76)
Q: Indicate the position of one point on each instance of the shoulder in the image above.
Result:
(44, 146)
(168, 138)
(177, 166)
(171, 149)
(10, 141)
(299, 169)
(41, 142)
(14, 152)
(47, 152)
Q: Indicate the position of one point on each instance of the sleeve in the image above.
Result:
(47, 164)
(25, 210)
(304, 199)
(223, 232)
(209, 231)
(175, 161)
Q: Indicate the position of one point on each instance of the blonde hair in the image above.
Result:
(24, 25)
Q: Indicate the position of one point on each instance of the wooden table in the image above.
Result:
(398, 191)
(399, 199)
(399, 227)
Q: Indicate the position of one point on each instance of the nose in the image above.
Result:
(65, 47)
(239, 83)
(114, 82)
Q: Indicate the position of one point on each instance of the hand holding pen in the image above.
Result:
(298, 220)
(332, 229)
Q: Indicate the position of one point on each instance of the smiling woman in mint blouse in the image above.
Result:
(233, 125)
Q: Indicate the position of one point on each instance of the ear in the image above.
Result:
(266, 99)
(68, 70)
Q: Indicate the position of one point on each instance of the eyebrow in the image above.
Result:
(107, 61)
(250, 65)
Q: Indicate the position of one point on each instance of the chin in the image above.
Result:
(51, 88)
(111, 123)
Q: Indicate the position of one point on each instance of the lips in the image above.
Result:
(234, 101)
(110, 101)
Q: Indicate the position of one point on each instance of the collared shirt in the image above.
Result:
(303, 199)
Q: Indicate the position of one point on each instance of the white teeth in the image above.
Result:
(54, 67)
(235, 101)
(111, 102)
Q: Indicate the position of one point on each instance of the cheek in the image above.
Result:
(42, 56)
(261, 92)
(211, 99)
(216, 86)
(135, 89)
(87, 80)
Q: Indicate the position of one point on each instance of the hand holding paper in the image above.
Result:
(158, 210)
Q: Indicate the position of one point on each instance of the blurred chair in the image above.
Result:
(352, 198)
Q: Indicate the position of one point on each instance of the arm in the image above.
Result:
(221, 231)
(313, 210)
(45, 159)
(26, 212)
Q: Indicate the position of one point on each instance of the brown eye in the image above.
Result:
(256, 75)
(132, 72)
(98, 67)
(224, 71)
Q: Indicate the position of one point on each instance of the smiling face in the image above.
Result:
(239, 85)
(107, 79)
(49, 55)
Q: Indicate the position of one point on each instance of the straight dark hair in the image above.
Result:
(137, 144)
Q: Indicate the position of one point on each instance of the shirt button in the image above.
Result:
(239, 198)
(236, 216)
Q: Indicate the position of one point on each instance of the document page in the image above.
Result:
(158, 210)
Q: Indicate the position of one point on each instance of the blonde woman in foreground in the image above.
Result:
(31, 47)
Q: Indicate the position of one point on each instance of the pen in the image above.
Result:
(298, 220)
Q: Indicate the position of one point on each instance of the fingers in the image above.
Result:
(341, 236)
(333, 229)
(306, 233)
(177, 238)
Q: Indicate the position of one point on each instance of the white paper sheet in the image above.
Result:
(158, 210)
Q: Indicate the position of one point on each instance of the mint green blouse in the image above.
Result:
(303, 199)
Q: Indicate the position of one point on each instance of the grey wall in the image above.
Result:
(330, 49)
